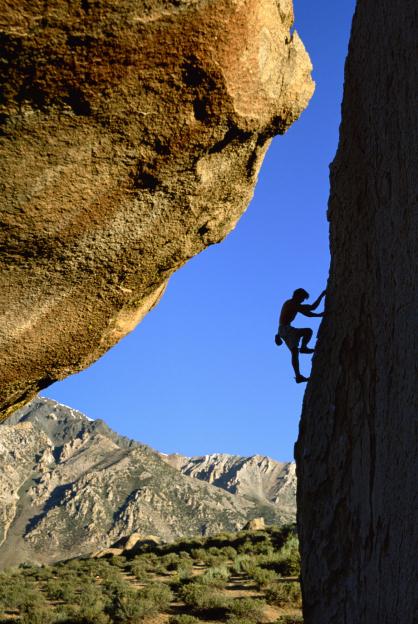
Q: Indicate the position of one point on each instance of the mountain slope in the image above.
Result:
(69, 486)
(258, 477)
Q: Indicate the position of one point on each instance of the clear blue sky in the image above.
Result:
(201, 374)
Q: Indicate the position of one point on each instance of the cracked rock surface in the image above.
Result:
(132, 133)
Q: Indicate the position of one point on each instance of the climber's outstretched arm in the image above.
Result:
(306, 310)
(316, 303)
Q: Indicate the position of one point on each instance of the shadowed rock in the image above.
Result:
(357, 449)
(131, 137)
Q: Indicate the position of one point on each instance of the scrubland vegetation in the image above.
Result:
(250, 577)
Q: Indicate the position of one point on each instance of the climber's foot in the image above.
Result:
(301, 378)
(306, 350)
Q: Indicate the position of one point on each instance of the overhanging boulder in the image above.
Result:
(131, 136)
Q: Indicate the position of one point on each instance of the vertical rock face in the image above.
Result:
(132, 132)
(357, 449)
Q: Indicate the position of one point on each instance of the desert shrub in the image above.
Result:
(248, 608)
(81, 615)
(229, 552)
(118, 561)
(39, 573)
(184, 568)
(58, 589)
(240, 564)
(264, 577)
(96, 568)
(36, 614)
(170, 561)
(214, 577)
(139, 569)
(244, 564)
(199, 554)
(285, 561)
(246, 611)
(112, 578)
(184, 618)
(73, 565)
(91, 596)
(283, 593)
(214, 551)
(18, 593)
(290, 556)
(159, 593)
(183, 575)
(290, 619)
(263, 548)
(245, 547)
(128, 606)
(202, 597)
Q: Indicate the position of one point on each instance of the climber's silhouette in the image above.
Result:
(292, 335)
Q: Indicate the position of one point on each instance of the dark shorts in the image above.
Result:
(290, 335)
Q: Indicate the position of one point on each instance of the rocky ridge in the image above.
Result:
(71, 486)
(258, 477)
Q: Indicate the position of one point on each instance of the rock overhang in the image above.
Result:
(132, 135)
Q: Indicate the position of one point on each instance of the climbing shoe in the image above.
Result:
(301, 379)
(306, 350)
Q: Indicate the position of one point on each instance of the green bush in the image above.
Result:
(185, 569)
(240, 563)
(249, 608)
(18, 593)
(170, 561)
(138, 568)
(81, 615)
(97, 568)
(291, 557)
(285, 561)
(36, 614)
(215, 577)
(158, 593)
(199, 554)
(264, 577)
(39, 573)
(202, 597)
(57, 589)
(118, 561)
(246, 547)
(284, 593)
(229, 552)
(126, 607)
(91, 596)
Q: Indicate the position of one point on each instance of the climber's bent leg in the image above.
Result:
(306, 335)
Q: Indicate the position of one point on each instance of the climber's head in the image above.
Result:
(300, 295)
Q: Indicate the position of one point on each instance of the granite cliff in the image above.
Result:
(71, 486)
(358, 447)
(132, 132)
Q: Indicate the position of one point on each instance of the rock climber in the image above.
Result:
(292, 335)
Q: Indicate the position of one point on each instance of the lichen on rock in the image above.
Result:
(131, 137)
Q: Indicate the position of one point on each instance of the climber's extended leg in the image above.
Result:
(295, 363)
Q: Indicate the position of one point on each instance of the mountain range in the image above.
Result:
(70, 485)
